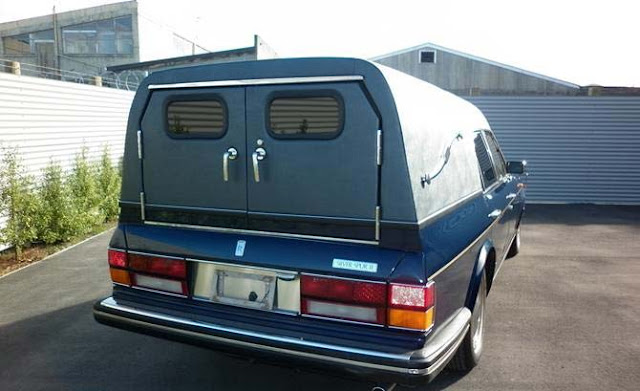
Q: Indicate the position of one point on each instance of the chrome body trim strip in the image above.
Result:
(338, 319)
(257, 82)
(473, 243)
(155, 255)
(439, 213)
(139, 138)
(142, 216)
(260, 233)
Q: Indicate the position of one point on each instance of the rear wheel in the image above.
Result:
(515, 245)
(469, 352)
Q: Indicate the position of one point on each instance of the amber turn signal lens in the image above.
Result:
(409, 319)
(120, 276)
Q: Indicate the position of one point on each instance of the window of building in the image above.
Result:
(305, 117)
(197, 118)
(484, 160)
(25, 44)
(428, 56)
(110, 36)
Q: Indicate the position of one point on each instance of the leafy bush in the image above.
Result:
(58, 219)
(85, 196)
(64, 205)
(109, 186)
(18, 203)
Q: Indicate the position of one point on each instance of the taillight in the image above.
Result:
(120, 276)
(343, 299)
(411, 306)
(159, 284)
(158, 265)
(117, 258)
(148, 271)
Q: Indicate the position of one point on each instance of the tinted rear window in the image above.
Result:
(305, 117)
(196, 118)
(488, 174)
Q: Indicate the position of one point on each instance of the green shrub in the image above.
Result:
(58, 219)
(18, 203)
(109, 186)
(85, 196)
(64, 205)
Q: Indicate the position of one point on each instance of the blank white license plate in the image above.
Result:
(252, 290)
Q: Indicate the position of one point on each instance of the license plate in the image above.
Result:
(252, 290)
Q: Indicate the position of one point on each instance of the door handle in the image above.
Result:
(511, 196)
(495, 213)
(256, 157)
(231, 154)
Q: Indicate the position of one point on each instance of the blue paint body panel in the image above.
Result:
(279, 253)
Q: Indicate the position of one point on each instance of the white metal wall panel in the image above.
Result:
(53, 120)
(579, 149)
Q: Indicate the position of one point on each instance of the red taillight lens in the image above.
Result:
(349, 291)
(117, 258)
(158, 265)
(354, 300)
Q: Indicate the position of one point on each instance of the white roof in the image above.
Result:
(476, 58)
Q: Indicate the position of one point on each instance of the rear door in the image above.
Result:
(312, 165)
(194, 157)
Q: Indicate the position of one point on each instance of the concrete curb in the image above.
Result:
(56, 253)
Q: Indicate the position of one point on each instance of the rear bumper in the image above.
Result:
(410, 367)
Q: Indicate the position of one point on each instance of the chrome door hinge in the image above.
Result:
(139, 134)
(379, 147)
(142, 217)
(377, 213)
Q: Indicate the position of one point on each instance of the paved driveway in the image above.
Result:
(563, 315)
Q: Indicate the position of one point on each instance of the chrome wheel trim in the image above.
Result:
(518, 239)
(477, 338)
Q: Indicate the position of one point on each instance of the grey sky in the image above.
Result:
(585, 42)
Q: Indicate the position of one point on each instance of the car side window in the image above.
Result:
(496, 154)
(484, 160)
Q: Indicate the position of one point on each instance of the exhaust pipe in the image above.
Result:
(389, 387)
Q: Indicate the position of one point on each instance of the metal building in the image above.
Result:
(88, 40)
(465, 74)
(579, 149)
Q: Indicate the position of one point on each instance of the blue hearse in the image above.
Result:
(328, 212)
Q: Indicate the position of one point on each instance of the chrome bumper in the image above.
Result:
(425, 363)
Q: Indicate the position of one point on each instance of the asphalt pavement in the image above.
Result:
(563, 315)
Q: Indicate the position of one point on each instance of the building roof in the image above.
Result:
(476, 58)
(183, 60)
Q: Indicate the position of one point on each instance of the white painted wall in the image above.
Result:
(52, 120)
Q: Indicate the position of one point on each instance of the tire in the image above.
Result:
(515, 246)
(470, 351)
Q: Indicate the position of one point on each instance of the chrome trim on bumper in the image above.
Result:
(436, 366)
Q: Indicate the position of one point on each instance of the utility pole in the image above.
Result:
(56, 49)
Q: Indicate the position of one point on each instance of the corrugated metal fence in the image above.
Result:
(53, 120)
(579, 149)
